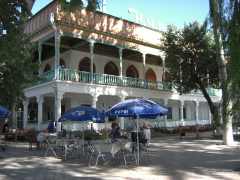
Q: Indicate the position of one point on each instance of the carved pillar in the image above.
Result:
(57, 38)
(120, 62)
(197, 111)
(25, 112)
(40, 110)
(165, 117)
(92, 57)
(122, 98)
(94, 101)
(39, 56)
(58, 102)
(181, 112)
(144, 64)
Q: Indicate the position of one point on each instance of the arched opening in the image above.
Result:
(132, 72)
(150, 75)
(62, 63)
(47, 68)
(111, 68)
(85, 65)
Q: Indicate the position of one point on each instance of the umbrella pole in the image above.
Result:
(137, 142)
(83, 137)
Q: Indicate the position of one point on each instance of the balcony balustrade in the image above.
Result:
(103, 79)
(74, 75)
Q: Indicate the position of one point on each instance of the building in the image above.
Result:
(98, 60)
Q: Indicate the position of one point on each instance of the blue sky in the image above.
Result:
(162, 12)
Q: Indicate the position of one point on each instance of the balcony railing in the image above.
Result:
(111, 80)
(103, 79)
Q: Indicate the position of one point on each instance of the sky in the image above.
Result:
(154, 13)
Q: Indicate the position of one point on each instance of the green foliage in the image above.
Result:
(15, 52)
(190, 57)
(93, 5)
(71, 5)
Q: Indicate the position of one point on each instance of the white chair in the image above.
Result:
(51, 141)
(100, 150)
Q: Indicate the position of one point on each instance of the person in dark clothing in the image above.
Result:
(51, 127)
(5, 127)
(115, 132)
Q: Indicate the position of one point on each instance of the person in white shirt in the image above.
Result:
(147, 133)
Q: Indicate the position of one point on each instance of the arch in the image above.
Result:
(85, 65)
(150, 75)
(47, 68)
(62, 63)
(111, 68)
(132, 72)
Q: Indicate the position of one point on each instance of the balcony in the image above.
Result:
(72, 75)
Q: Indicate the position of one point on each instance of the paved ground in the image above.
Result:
(170, 158)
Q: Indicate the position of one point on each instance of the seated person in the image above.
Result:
(41, 138)
(115, 132)
(51, 127)
(147, 133)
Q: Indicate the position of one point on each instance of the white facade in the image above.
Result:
(66, 87)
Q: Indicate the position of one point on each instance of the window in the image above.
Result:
(132, 72)
(111, 68)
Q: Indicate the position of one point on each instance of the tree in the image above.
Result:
(191, 59)
(16, 62)
(72, 5)
(228, 69)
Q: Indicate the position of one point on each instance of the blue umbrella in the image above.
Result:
(137, 108)
(4, 113)
(82, 113)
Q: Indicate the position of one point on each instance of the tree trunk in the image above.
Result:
(213, 108)
(222, 68)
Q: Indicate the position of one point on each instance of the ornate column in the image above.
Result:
(165, 117)
(92, 57)
(57, 38)
(58, 102)
(120, 61)
(181, 112)
(210, 117)
(163, 68)
(122, 98)
(40, 110)
(197, 111)
(94, 101)
(39, 56)
(144, 64)
(25, 112)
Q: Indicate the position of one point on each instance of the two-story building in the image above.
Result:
(95, 59)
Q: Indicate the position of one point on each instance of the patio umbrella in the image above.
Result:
(137, 108)
(4, 113)
(83, 114)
